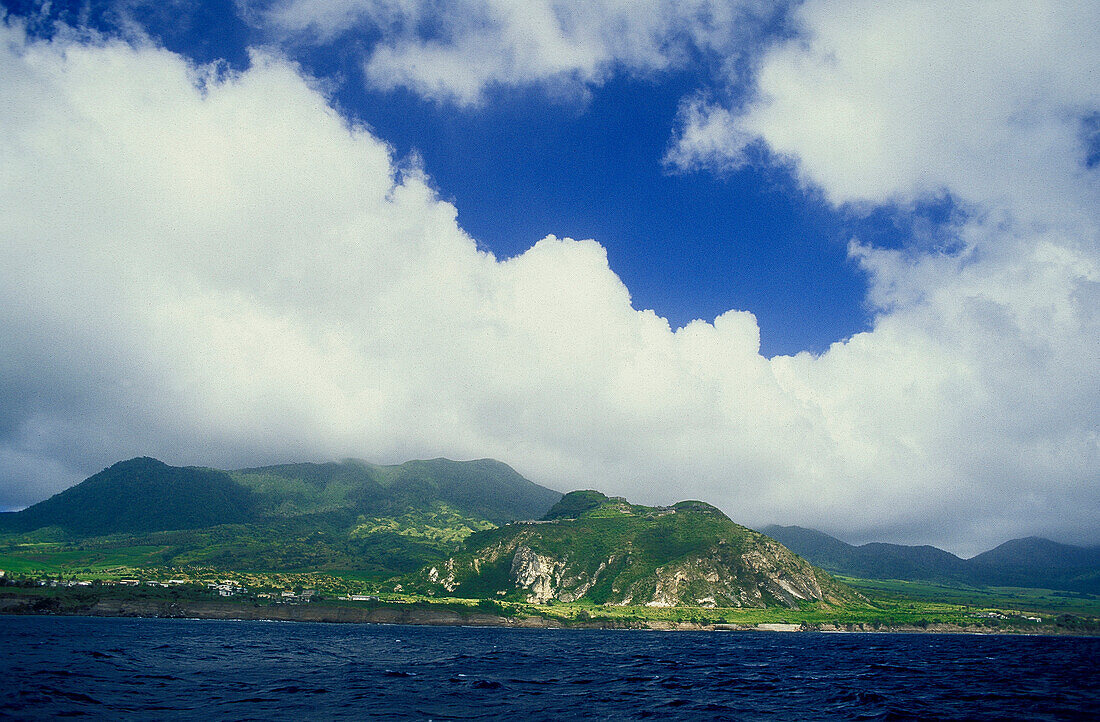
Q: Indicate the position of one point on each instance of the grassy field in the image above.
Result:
(54, 559)
(1047, 601)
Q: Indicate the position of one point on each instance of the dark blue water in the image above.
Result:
(173, 669)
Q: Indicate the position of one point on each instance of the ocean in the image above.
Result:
(106, 668)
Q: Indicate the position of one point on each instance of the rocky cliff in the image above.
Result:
(611, 552)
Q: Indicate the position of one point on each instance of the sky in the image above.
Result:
(828, 263)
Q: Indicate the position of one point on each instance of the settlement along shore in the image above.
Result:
(21, 604)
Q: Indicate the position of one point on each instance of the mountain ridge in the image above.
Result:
(1026, 562)
(474, 520)
(385, 520)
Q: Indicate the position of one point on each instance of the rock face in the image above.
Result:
(616, 553)
(539, 575)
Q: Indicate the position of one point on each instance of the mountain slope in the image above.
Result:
(482, 489)
(611, 552)
(1039, 562)
(1031, 562)
(871, 561)
(382, 520)
(137, 496)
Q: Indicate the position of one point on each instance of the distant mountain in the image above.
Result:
(482, 489)
(137, 496)
(1054, 565)
(870, 561)
(384, 520)
(608, 551)
(1031, 562)
(435, 526)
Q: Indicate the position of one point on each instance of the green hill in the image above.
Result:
(436, 527)
(137, 496)
(1031, 562)
(379, 520)
(575, 503)
(870, 561)
(1038, 562)
(483, 489)
(608, 551)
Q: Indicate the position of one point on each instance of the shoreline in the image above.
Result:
(20, 605)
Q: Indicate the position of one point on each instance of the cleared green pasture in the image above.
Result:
(52, 559)
(894, 592)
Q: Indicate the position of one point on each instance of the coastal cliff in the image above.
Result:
(611, 552)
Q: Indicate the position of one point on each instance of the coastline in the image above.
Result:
(17, 605)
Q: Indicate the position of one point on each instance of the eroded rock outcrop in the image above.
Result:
(540, 575)
(617, 553)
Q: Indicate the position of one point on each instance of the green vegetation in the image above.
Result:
(445, 536)
(440, 524)
(482, 490)
(603, 550)
(263, 591)
(53, 560)
(140, 495)
(376, 521)
(575, 503)
(1031, 562)
(1036, 601)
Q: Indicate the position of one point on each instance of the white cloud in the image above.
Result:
(218, 270)
(455, 51)
(980, 377)
(895, 101)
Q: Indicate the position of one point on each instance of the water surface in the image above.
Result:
(180, 669)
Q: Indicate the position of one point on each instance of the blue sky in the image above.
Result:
(274, 214)
(687, 243)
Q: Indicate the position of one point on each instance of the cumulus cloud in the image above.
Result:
(454, 51)
(215, 268)
(893, 101)
(987, 354)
